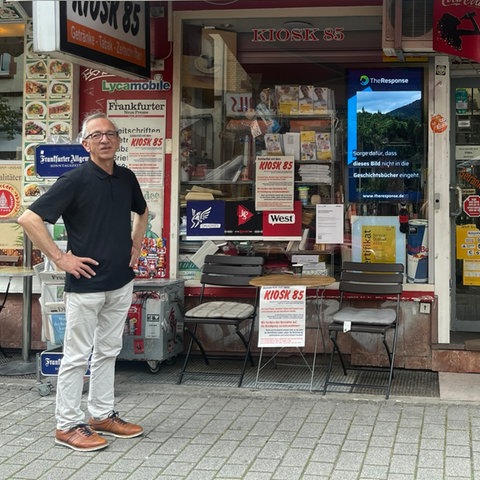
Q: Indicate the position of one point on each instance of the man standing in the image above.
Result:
(95, 201)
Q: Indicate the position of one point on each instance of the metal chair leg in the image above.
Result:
(330, 366)
(245, 344)
(336, 348)
(193, 338)
(392, 362)
(248, 354)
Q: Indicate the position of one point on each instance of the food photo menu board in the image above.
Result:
(47, 111)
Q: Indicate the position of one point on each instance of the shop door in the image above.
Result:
(465, 204)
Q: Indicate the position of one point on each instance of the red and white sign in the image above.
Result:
(9, 200)
(274, 179)
(283, 223)
(471, 205)
(282, 316)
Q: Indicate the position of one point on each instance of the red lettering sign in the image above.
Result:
(264, 35)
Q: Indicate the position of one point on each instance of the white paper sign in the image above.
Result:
(329, 223)
(282, 317)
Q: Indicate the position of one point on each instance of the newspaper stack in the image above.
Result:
(315, 173)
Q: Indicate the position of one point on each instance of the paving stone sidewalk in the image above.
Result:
(199, 433)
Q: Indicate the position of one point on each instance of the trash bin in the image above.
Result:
(417, 251)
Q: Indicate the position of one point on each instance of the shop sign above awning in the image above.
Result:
(111, 36)
(457, 29)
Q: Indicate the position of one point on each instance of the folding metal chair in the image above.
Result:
(225, 271)
(380, 281)
(6, 260)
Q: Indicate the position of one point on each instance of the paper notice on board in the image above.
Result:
(282, 316)
(274, 180)
(329, 223)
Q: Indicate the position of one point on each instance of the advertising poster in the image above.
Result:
(385, 140)
(210, 219)
(11, 235)
(283, 223)
(274, 180)
(49, 87)
(456, 28)
(282, 317)
(205, 218)
(53, 160)
(142, 149)
(138, 107)
(467, 242)
(377, 239)
(242, 219)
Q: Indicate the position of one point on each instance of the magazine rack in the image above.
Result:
(283, 123)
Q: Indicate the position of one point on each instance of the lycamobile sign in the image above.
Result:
(157, 84)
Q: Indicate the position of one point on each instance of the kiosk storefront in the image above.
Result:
(307, 89)
(324, 91)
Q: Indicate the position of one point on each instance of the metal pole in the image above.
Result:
(27, 300)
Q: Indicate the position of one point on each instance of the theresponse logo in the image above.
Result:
(366, 80)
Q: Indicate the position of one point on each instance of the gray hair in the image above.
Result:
(89, 118)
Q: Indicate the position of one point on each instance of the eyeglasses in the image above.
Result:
(97, 136)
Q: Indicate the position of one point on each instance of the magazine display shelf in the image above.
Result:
(53, 326)
(225, 170)
(234, 178)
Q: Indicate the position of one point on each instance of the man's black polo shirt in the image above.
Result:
(96, 209)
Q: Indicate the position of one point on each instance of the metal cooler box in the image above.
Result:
(154, 326)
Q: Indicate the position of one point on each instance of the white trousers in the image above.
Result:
(93, 320)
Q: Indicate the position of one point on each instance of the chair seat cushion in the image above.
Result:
(365, 316)
(216, 309)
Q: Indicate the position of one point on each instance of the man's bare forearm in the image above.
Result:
(36, 230)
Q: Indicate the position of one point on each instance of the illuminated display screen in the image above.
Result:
(385, 138)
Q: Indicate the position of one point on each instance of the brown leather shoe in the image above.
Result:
(114, 425)
(80, 438)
